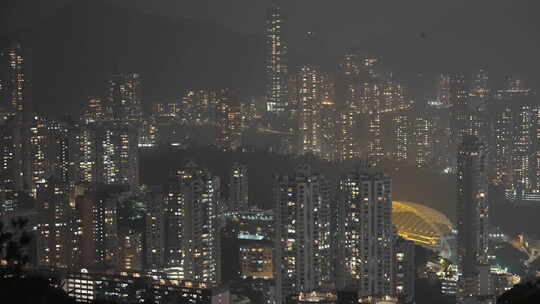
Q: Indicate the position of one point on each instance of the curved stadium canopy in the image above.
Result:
(423, 225)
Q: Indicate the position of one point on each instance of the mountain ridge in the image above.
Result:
(75, 50)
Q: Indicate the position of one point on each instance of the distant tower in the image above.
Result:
(366, 237)
(230, 122)
(238, 188)
(11, 159)
(276, 61)
(309, 110)
(94, 111)
(15, 80)
(347, 91)
(345, 141)
(515, 140)
(328, 124)
(303, 241)
(405, 270)
(154, 221)
(480, 84)
(439, 115)
(54, 217)
(479, 98)
(376, 139)
(401, 136)
(124, 100)
(85, 146)
(459, 114)
(443, 93)
(118, 155)
(15, 112)
(423, 140)
(472, 213)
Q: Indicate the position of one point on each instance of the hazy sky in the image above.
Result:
(503, 35)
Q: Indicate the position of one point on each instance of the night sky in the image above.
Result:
(410, 37)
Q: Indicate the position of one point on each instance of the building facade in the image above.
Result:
(303, 258)
(365, 243)
(472, 213)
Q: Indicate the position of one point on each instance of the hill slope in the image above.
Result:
(75, 50)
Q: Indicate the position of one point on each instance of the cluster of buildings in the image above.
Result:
(112, 238)
(361, 111)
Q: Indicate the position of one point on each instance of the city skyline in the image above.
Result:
(278, 167)
(439, 53)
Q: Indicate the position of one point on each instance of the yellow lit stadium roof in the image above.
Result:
(420, 224)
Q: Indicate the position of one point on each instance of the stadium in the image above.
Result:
(424, 226)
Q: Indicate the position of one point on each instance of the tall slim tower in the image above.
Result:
(54, 218)
(345, 140)
(401, 129)
(472, 214)
(376, 139)
(118, 157)
(515, 140)
(191, 215)
(14, 80)
(230, 122)
(309, 110)
(155, 229)
(349, 79)
(124, 100)
(276, 61)
(303, 242)
(366, 237)
(443, 90)
(423, 140)
(238, 188)
(15, 110)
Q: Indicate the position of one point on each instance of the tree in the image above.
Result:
(524, 293)
(15, 285)
(13, 243)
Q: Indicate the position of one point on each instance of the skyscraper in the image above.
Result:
(192, 236)
(405, 270)
(238, 188)
(50, 159)
(472, 214)
(348, 84)
(480, 84)
(439, 114)
(459, 111)
(230, 121)
(423, 140)
(15, 106)
(118, 157)
(375, 144)
(365, 244)
(276, 61)
(54, 226)
(401, 127)
(303, 241)
(310, 96)
(443, 90)
(479, 97)
(515, 141)
(124, 99)
(11, 167)
(95, 111)
(15, 80)
(329, 130)
(130, 253)
(85, 142)
(345, 142)
(155, 230)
